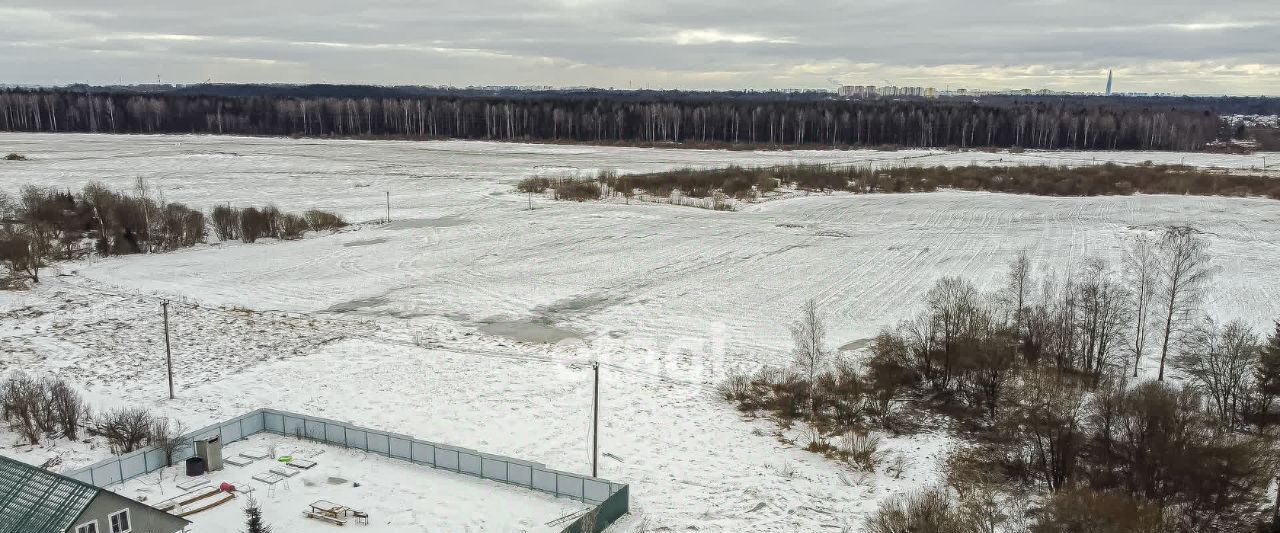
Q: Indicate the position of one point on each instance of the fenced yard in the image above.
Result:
(609, 500)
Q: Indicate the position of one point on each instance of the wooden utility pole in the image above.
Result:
(595, 420)
(168, 354)
(388, 206)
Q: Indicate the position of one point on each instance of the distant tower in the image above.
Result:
(1108, 82)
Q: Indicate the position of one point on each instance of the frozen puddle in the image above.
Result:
(527, 330)
(356, 305)
(365, 242)
(855, 345)
(418, 223)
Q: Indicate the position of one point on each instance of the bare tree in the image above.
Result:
(1019, 286)
(809, 335)
(17, 252)
(69, 407)
(1183, 271)
(1049, 412)
(1141, 262)
(952, 302)
(148, 218)
(166, 435)
(1019, 280)
(1220, 361)
(20, 399)
(1103, 314)
(125, 428)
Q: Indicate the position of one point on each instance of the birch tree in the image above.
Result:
(810, 351)
(1183, 271)
(1142, 264)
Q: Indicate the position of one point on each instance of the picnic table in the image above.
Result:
(333, 513)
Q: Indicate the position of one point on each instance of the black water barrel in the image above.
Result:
(195, 467)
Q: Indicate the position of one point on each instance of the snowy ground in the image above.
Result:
(397, 496)
(412, 326)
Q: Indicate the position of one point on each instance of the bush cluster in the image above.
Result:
(1106, 179)
(36, 408)
(45, 224)
(252, 223)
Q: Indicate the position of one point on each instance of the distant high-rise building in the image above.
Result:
(1108, 82)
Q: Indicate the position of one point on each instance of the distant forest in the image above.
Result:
(623, 117)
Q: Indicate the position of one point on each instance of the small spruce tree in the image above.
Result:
(253, 518)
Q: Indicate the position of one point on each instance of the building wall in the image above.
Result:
(142, 519)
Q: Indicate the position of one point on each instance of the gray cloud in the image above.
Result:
(1175, 46)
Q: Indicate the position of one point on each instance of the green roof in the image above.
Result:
(34, 500)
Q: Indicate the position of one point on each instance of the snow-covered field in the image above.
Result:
(412, 326)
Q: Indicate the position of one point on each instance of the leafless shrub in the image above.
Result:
(126, 429)
(929, 510)
(69, 407)
(226, 222)
(576, 189)
(20, 399)
(15, 157)
(166, 435)
(292, 226)
(16, 253)
(271, 221)
(254, 224)
(861, 450)
(737, 388)
(1081, 509)
(42, 407)
(320, 220)
(533, 185)
(182, 226)
(587, 524)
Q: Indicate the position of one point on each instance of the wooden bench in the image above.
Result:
(227, 496)
(324, 517)
(281, 471)
(361, 517)
(301, 463)
(188, 485)
(239, 461)
(256, 453)
(184, 499)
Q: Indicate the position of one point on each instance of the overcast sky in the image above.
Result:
(1182, 46)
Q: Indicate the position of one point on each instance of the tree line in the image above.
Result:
(750, 183)
(1060, 430)
(606, 119)
(44, 224)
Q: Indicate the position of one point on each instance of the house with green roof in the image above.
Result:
(35, 500)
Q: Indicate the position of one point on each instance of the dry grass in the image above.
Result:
(1107, 179)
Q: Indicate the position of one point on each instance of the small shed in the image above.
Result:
(34, 500)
